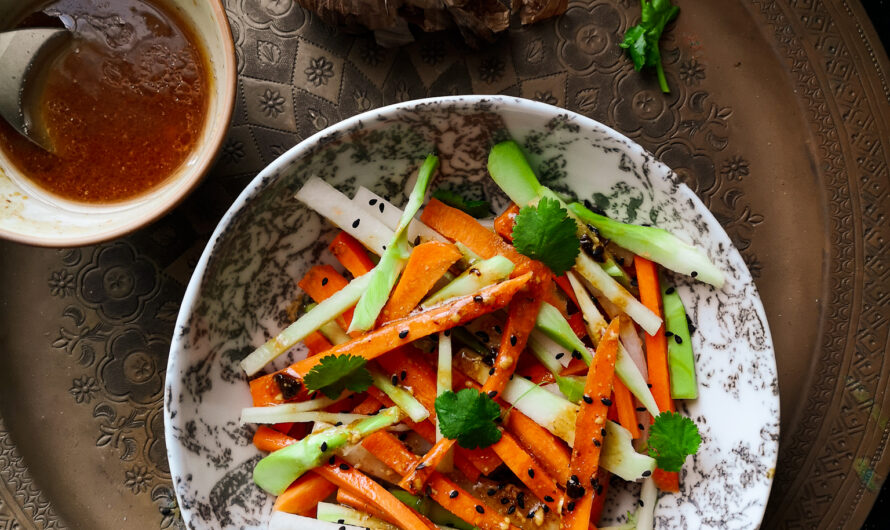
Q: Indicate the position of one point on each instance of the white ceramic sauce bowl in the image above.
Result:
(246, 279)
(32, 216)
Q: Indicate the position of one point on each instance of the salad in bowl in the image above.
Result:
(471, 312)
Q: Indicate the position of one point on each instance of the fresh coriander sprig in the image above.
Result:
(641, 41)
(672, 438)
(546, 233)
(469, 417)
(336, 373)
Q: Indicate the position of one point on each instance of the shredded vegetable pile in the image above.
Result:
(469, 374)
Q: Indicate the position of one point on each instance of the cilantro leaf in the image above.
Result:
(475, 208)
(546, 233)
(469, 417)
(336, 373)
(672, 438)
(641, 41)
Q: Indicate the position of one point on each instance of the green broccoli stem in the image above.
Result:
(277, 471)
(681, 360)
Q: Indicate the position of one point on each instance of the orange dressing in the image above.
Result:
(124, 104)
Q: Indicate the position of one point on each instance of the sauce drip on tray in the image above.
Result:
(124, 104)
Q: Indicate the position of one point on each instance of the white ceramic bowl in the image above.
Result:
(32, 217)
(246, 279)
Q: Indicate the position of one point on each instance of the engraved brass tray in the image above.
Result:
(779, 118)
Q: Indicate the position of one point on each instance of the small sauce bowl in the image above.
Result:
(32, 215)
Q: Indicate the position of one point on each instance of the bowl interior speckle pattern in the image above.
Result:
(246, 277)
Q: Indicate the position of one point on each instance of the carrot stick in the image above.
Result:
(624, 403)
(503, 224)
(576, 321)
(552, 452)
(353, 480)
(320, 283)
(351, 254)
(316, 343)
(268, 439)
(369, 406)
(529, 471)
(599, 500)
(265, 391)
(411, 328)
(393, 453)
(427, 263)
(591, 418)
(363, 505)
(575, 367)
(656, 346)
(532, 369)
(566, 287)
(656, 358)
(521, 317)
(304, 494)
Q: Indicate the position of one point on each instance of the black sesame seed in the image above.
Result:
(606, 401)
(548, 498)
(491, 492)
(520, 499)
(453, 494)
(649, 385)
(372, 202)
(381, 207)
(403, 333)
(480, 509)
(576, 354)
(511, 509)
(669, 290)
(421, 466)
(476, 272)
(574, 489)
(640, 426)
(341, 521)
(344, 467)
(428, 490)
(498, 419)
(384, 247)
(603, 432)
(587, 399)
(492, 394)
(511, 377)
(531, 514)
(491, 371)
(546, 509)
(403, 436)
(416, 241)
(331, 461)
(342, 528)
(513, 340)
(324, 281)
(478, 298)
(339, 423)
(641, 503)
(641, 409)
(483, 336)
(646, 473)
(505, 500)
(395, 380)
(323, 447)
(693, 274)
(668, 334)
(570, 506)
(634, 282)
(355, 223)
(597, 442)
(447, 332)
(560, 355)
(678, 339)
(403, 375)
(531, 472)
(498, 329)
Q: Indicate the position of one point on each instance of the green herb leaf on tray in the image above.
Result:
(641, 41)
(672, 438)
(336, 373)
(469, 417)
(546, 233)
(477, 209)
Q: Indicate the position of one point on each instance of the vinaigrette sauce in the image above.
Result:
(124, 104)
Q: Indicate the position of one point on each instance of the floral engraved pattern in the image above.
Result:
(84, 389)
(135, 367)
(432, 52)
(61, 283)
(692, 72)
(233, 151)
(118, 282)
(545, 96)
(491, 69)
(272, 103)
(735, 168)
(138, 479)
(642, 107)
(372, 54)
(589, 37)
(319, 71)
